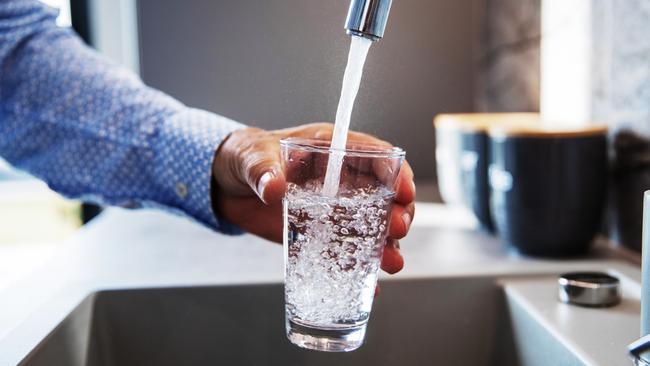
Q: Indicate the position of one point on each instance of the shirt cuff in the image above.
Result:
(184, 150)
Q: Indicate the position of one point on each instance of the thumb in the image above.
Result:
(264, 176)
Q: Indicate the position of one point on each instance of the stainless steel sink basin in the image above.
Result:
(445, 321)
(475, 303)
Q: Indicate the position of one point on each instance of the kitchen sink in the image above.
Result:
(442, 321)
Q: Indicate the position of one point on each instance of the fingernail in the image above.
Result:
(406, 218)
(261, 185)
(413, 186)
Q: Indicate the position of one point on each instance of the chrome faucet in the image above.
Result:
(640, 349)
(367, 18)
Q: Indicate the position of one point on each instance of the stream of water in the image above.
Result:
(359, 48)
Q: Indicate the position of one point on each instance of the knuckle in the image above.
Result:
(324, 125)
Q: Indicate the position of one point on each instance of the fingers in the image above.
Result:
(386, 171)
(250, 161)
(401, 219)
(326, 130)
(405, 191)
(392, 260)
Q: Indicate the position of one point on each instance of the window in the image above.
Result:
(64, 11)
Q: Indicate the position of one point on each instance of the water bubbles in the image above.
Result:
(334, 251)
(347, 263)
(351, 248)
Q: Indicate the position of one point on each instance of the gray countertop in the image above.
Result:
(136, 249)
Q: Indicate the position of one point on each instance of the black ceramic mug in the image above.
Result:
(462, 156)
(548, 187)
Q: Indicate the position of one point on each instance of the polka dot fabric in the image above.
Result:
(92, 129)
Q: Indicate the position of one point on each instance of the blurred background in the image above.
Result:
(280, 63)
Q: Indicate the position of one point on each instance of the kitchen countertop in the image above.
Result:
(135, 249)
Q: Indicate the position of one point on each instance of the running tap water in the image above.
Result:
(366, 23)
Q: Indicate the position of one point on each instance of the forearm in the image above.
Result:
(91, 129)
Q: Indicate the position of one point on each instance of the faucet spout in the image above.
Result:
(367, 18)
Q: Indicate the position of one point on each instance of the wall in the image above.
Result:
(280, 63)
(509, 61)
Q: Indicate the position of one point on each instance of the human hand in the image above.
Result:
(249, 185)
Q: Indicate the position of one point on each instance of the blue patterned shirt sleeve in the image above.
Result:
(92, 130)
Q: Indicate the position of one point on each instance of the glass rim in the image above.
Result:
(309, 144)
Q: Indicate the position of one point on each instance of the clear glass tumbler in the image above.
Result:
(333, 244)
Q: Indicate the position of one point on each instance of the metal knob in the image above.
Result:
(589, 289)
(367, 18)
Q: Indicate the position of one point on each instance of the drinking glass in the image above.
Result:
(333, 243)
